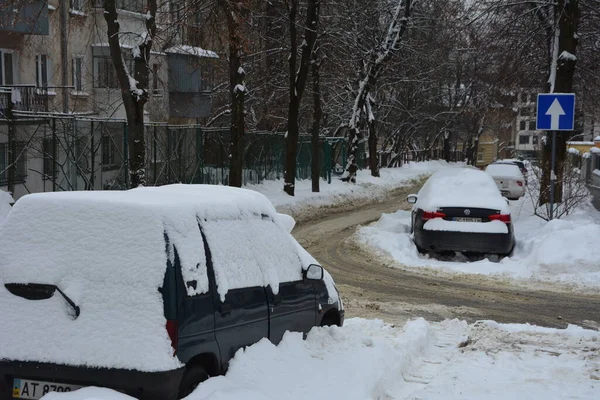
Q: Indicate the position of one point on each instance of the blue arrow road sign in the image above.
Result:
(556, 112)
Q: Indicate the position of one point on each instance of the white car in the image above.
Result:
(509, 178)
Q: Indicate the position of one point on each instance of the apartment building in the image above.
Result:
(526, 138)
(67, 128)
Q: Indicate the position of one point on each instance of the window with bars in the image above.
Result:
(524, 139)
(21, 163)
(108, 151)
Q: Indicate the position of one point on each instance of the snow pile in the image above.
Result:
(439, 224)
(461, 187)
(5, 204)
(562, 251)
(367, 359)
(367, 188)
(504, 171)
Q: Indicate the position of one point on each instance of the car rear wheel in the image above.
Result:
(193, 377)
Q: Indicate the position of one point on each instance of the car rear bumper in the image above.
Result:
(162, 385)
(488, 243)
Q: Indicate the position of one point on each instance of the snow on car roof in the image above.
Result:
(504, 170)
(461, 187)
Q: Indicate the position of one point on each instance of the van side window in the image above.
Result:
(251, 252)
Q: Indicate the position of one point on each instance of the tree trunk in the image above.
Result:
(318, 113)
(568, 12)
(298, 84)
(134, 89)
(447, 141)
(373, 155)
(237, 92)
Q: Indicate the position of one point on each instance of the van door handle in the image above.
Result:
(225, 309)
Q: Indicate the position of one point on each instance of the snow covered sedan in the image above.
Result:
(461, 210)
(509, 179)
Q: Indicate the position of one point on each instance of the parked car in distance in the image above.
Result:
(148, 291)
(519, 163)
(509, 179)
(461, 210)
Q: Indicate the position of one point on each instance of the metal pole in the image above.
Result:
(64, 10)
(552, 175)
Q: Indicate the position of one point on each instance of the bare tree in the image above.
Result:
(298, 79)
(134, 89)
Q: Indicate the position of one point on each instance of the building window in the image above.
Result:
(523, 125)
(41, 71)
(49, 149)
(525, 112)
(105, 73)
(108, 151)
(524, 139)
(21, 163)
(138, 6)
(532, 125)
(78, 74)
(524, 97)
(536, 139)
(480, 156)
(77, 5)
(6, 68)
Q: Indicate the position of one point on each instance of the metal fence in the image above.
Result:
(50, 153)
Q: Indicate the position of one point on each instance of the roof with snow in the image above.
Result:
(461, 187)
(191, 51)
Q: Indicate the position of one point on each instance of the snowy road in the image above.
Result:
(371, 290)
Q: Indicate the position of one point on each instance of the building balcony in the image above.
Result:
(23, 98)
(24, 17)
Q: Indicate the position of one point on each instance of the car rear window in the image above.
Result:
(506, 170)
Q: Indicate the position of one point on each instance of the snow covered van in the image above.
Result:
(148, 291)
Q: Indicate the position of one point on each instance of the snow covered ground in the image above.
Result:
(563, 252)
(367, 188)
(367, 359)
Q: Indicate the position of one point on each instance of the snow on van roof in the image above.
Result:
(461, 187)
(106, 251)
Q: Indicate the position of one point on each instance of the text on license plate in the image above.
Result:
(464, 219)
(28, 389)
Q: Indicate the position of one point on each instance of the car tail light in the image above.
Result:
(520, 183)
(431, 215)
(500, 217)
(173, 331)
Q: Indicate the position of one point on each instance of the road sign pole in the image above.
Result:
(552, 175)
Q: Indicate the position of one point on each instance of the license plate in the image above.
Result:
(28, 389)
(465, 219)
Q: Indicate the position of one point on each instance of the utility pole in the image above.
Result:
(64, 11)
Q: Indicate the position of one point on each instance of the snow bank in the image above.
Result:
(5, 204)
(461, 187)
(561, 251)
(338, 193)
(367, 359)
(362, 360)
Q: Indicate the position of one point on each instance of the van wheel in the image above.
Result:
(192, 377)
(329, 320)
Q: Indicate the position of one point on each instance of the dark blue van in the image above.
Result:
(149, 291)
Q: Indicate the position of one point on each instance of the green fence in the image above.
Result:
(58, 153)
